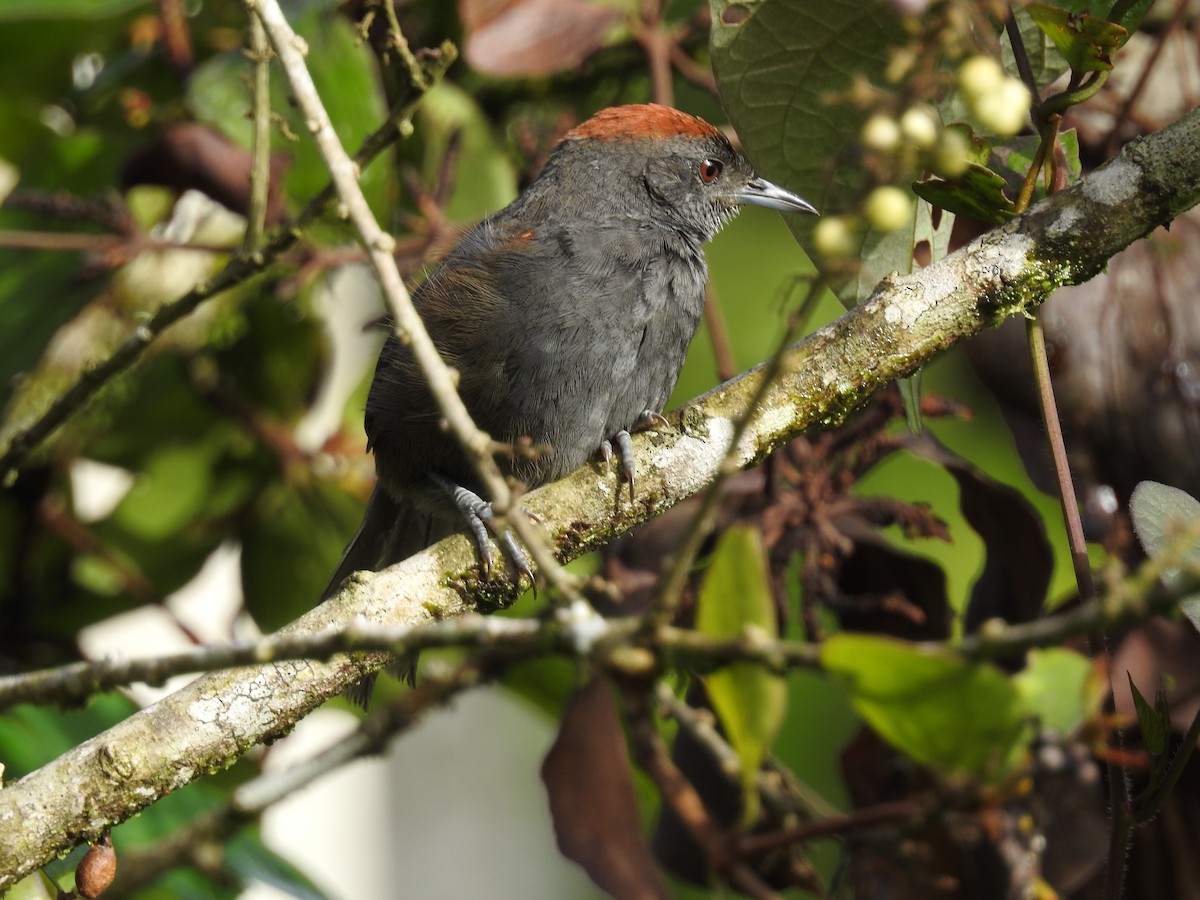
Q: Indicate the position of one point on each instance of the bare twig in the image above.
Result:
(239, 269)
(260, 143)
(677, 792)
(907, 321)
(442, 381)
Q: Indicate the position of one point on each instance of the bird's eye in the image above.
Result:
(710, 170)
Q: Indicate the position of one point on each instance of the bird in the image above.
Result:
(567, 315)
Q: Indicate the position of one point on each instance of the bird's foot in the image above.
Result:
(480, 520)
(649, 419)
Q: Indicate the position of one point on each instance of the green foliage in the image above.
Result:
(1154, 722)
(735, 600)
(1045, 61)
(1081, 31)
(781, 66)
(1060, 688)
(964, 719)
(31, 736)
(977, 193)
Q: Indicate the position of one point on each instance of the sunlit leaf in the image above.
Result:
(978, 193)
(1086, 41)
(1059, 687)
(750, 701)
(964, 719)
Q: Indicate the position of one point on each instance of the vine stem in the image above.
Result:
(1048, 119)
(1058, 449)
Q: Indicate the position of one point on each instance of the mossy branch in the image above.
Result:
(906, 322)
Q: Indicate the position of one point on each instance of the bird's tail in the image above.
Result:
(390, 531)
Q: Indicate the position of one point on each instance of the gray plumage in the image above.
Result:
(568, 315)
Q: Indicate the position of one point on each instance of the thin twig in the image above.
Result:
(677, 792)
(671, 589)
(239, 269)
(260, 140)
(1020, 54)
(410, 329)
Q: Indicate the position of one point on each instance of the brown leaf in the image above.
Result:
(532, 37)
(590, 787)
(192, 155)
(1016, 574)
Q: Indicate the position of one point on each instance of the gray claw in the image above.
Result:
(628, 467)
(517, 556)
(480, 521)
(649, 419)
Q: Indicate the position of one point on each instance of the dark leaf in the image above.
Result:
(889, 590)
(1019, 563)
(1154, 721)
(589, 783)
(189, 155)
(978, 193)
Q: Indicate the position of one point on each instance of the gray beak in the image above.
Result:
(760, 192)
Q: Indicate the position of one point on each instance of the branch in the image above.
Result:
(142, 866)
(239, 269)
(906, 322)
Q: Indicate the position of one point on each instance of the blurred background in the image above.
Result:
(207, 493)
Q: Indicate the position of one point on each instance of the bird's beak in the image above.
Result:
(760, 192)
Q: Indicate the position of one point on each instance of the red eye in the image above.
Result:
(710, 170)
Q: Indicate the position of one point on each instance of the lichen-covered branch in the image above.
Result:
(906, 322)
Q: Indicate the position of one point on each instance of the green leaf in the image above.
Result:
(1102, 9)
(291, 543)
(978, 193)
(1087, 42)
(1045, 60)
(93, 10)
(1154, 721)
(26, 328)
(751, 702)
(1015, 156)
(346, 80)
(484, 177)
(1161, 514)
(1060, 688)
(784, 68)
(252, 860)
(964, 719)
